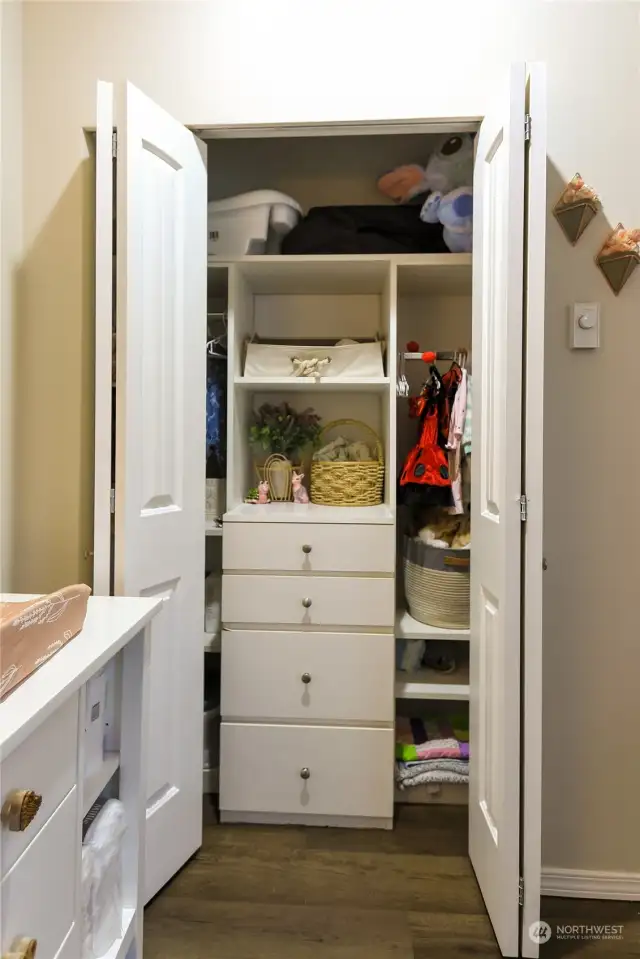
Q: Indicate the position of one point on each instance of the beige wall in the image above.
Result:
(329, 61)
(10, 250)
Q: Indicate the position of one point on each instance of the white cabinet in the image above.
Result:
(42, 751)
(309, 600)
(312, 676)
(321, 774)
(39, 892)
(309, 548)
(47, 764)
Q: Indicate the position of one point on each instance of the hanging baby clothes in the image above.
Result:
(454, 443)
(466, 434)
(425, 476)
(450, 383)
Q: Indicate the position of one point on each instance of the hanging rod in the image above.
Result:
(219, 316)
(430, 356)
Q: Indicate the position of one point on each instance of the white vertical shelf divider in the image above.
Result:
(389, 314)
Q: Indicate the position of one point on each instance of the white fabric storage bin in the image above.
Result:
(347, 359)
(251, 223)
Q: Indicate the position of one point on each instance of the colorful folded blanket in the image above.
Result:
(437, 737)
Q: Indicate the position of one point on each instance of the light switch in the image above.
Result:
(585, 326)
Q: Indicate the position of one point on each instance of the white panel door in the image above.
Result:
(160, 444)
(534, 302)
(498, 277)
(103, 406)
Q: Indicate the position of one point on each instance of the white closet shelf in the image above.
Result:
(213, 642)
(95, 783)
(450, 794)
(309, 513)
(345, 274)
(431, 684)
(210, 780)
(409, 628)
(211, 529)
(335, 384)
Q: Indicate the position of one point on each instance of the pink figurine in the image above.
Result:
(263, 492)
(300, 494)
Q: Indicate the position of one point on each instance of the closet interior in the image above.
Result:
(314, 661)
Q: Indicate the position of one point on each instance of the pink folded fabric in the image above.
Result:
(32, 632)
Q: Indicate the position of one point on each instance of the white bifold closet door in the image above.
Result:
(158, 541)
(506, 603)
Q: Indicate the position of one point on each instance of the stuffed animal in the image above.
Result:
(447, 180)
(455, 211)
(300, 494)
(263, 493)
(450, 166)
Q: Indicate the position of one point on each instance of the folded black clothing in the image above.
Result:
(364, 229)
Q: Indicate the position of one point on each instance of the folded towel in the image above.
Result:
(407, 773)
(430, 775)
(432, 738)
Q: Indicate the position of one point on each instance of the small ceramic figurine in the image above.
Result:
(300, 494)
(263, 493)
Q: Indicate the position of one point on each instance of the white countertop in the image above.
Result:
(111, 622)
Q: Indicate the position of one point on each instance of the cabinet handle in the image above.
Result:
(306, 549)
(306, 678)
(20, 809)
(306, 603)
(22, 949)
(305, 772)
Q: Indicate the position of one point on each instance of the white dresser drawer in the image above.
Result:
(308, 600)
(342, 677)
(309, 547)
(39, 893)
(46, 763)
(350, 771)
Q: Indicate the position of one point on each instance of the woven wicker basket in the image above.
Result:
(437, 584)
(346, 483)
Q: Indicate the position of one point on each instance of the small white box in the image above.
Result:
(250, 223)
(94, 724)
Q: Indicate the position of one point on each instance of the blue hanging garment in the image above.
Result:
(216, 418)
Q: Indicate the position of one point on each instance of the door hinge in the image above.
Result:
(114, 144)
(527, 127)
(524, 504)
(112, 501)
(521, 891)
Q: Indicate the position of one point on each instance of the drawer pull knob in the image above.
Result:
(305, 772)
(306, 603)
(306, 549)
(20, 809)
(22, 949)
(306, 678)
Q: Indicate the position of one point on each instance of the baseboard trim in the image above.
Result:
(304, 819)
(585, 884)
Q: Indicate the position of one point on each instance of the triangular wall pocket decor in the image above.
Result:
(619, 256)
(576, 208)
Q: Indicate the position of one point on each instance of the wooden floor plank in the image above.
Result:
(204, 929)
(452, 936)
(271, 892)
